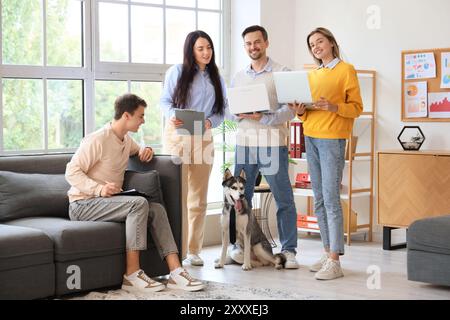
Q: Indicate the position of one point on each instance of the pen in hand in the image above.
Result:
(109, 189)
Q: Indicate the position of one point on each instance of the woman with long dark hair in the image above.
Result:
(195, 85)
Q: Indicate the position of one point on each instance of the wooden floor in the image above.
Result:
(358, 258)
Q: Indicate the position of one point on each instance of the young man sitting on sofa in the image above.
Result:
(96, 173)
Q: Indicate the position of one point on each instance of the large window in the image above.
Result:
(150, 132)
(153, 31)
(42, 75)
(63, 63)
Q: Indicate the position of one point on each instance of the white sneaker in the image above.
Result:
(184, 281)
(319, 264)
(194, 260)
(330, 270)
(291, 262)
(141, 284)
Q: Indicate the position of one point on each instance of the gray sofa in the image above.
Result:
(38, 254)
(429, 250)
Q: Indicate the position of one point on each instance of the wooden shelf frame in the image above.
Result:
(354, 157)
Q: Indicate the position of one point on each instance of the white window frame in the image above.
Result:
(131, 72)
(92, 69)
(44, 73)
(113, 70)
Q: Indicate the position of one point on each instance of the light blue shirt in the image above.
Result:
(331, 64)
(283, 113)
(267, 68)
(201, 95)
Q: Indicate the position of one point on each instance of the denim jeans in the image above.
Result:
(272, 162)
(138, 215)
(326, 164)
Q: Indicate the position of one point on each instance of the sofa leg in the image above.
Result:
(387, 240)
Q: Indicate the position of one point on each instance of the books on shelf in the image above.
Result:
(303, 181)
(307, 225)
(306, 218)
(296, 140)
(307, 222)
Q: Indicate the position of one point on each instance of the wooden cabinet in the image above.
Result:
(412, 185)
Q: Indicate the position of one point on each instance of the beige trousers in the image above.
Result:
(197, 154)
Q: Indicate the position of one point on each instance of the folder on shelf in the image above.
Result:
(300, 146)
(297, 140)
(292, 140)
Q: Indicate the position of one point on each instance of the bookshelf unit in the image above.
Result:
(366, 124)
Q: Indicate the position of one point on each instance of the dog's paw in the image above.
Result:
(246, 267)
(278, 266)
(218, 265)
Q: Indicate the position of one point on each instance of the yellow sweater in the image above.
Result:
(339, 86)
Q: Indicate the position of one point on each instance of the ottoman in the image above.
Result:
(428, 256)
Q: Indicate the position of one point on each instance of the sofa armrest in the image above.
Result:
(171, 179)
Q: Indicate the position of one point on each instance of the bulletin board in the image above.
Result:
(437, 96)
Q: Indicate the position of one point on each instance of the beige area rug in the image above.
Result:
(214, 291)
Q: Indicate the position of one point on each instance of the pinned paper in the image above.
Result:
(439, 104)
(420, 66)
(445, 74)
(416, 99)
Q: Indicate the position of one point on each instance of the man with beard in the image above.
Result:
(261, 143)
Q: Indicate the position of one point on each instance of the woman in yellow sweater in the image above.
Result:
(335, 90)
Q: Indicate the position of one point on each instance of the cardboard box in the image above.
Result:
(353, 217)
(354, 142)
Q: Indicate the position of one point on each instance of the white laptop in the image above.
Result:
(293, 86)
(248, 99)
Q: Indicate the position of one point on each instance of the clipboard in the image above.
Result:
(131, 192)
(193, 122)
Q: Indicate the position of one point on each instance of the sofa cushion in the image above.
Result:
(23, 247)
(430, 234)
(79, 239)
(25, 195)
(146, 182)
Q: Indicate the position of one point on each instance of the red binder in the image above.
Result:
(292, 140)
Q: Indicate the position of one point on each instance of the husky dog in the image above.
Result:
(257, 249)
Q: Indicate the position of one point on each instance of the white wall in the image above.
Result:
(405, 25)
(278, 17)
(243, 14)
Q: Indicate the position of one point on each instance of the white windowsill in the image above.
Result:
(212, 212)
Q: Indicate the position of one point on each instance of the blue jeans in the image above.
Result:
(326, 164)
(272, 162)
